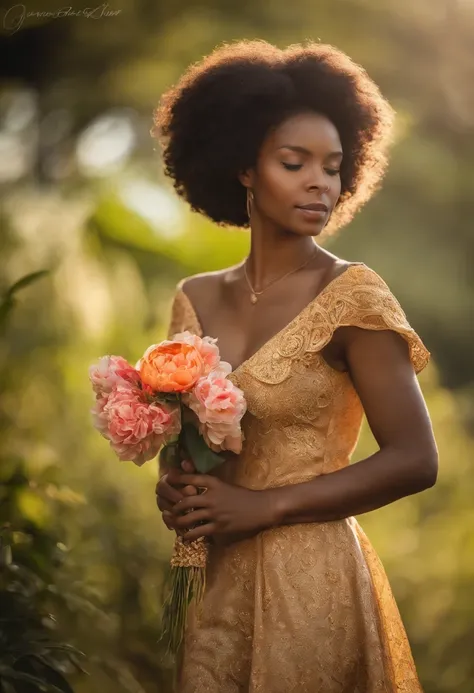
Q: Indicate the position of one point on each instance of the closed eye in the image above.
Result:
(292, 167)
(296, 167)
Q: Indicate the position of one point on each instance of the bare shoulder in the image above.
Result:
(204, 282)
(194, 285)
(334, 266)
(205, 288)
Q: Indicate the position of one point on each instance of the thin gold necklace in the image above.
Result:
(254, 294)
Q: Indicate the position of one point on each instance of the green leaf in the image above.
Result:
(26, 281)
(11, 675)
(78, 664)
(64, 647)
(6, 307)
(203, 457)
(51, 675)
(5, 555)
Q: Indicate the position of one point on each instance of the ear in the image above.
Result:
(246, 178)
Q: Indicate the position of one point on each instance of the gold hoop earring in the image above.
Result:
(249, 201)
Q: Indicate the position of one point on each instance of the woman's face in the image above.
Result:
(296, 181)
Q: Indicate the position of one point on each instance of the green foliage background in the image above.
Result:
(84, 525)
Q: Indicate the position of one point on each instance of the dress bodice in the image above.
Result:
(304, 417)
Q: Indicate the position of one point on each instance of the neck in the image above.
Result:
(273, 254)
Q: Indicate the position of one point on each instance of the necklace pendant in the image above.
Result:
(253, 298)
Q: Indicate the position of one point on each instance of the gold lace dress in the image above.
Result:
(307, 607)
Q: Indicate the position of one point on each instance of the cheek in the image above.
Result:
(277, 185)
(335, 189)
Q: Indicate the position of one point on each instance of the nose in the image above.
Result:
(317, 180)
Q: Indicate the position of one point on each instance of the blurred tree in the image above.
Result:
(32, 659)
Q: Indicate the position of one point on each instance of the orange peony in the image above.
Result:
(171, 366)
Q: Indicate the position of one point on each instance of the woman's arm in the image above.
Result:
(407, 461)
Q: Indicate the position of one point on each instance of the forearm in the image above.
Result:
(372, 483)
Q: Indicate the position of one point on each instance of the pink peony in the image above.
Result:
(111, 372)
(219, 406)
(99, 416)
(135, 428)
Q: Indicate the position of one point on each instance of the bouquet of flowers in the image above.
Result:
(177, 396)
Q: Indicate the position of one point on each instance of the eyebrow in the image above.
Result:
(303, 150)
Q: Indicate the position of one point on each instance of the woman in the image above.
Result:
(292, 143)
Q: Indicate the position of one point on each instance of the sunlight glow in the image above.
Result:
(106, 144)
(155, 204)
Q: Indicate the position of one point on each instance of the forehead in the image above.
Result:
(309, 130)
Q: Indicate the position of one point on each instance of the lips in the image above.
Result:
(314, 207)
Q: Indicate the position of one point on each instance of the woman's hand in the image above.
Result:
(223, 509)
(169, 490)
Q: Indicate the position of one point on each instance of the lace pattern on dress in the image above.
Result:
(357, 297)
(305, 607)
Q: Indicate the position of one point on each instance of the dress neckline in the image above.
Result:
(278, 334)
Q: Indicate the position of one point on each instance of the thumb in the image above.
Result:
(188, 466)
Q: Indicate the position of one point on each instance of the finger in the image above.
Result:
(169, 492)
(202, 531)
(196, 501)
(188, 466)
(168, 520)
(167, 480)
(164, 504)
(187, 521)
(174, 475)
(189, 491)
(199, 480)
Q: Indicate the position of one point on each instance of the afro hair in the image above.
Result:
(212, 122)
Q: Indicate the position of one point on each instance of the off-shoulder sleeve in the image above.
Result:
(182, 316)
(363, 299)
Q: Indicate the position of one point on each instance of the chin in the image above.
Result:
(313, 230)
